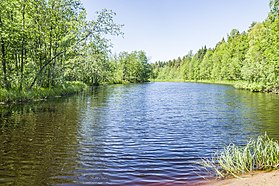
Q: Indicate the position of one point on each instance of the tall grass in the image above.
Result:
(259, 154)
(15, 96)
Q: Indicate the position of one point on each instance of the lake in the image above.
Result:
(136, 134)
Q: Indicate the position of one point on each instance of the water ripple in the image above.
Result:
(149, 134)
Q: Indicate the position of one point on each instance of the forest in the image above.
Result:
(249, 59)
(48, 44)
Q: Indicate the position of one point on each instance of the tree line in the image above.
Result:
(251, 58)
(45, 43)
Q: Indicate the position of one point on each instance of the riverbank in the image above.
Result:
(196, 81)
(15, 96)
(252, 179)
(253, 87)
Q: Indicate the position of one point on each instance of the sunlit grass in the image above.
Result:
(166, 80)
(195, 81)
(14, 96)
(259, 154)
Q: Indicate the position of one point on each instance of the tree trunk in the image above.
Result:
(4, 66)
(22, 47)
(53, 69)
(50, 56)
(54, 57)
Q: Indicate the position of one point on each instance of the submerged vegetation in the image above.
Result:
(45, 44)
(250, 58)
(259, 154)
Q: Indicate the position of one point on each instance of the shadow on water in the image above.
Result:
(144, 134)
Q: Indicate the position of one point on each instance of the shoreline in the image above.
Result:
(241, 85)
(10, 97)
(197, 81)
(257, 178)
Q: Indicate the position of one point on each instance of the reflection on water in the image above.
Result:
(38, 143)
(145, 134)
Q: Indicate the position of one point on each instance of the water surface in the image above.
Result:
(138, 134)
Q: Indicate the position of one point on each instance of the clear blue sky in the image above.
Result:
(167, 29)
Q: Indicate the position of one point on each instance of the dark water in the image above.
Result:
(146, 134)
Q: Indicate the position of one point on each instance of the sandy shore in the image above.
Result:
(253, 179)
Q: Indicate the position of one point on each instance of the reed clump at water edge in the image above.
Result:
(258, 154)
(16, 96)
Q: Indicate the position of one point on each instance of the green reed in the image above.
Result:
(258, 154)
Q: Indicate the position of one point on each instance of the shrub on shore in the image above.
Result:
(257, 87)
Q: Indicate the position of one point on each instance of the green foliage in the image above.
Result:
(44, 44)
(132, 67)
(259, 154)
(257, 87)
(274, 9)
(15, 96)
(251, 57)
(168, 71)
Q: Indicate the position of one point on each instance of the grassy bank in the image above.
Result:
(15, 96)
(215, 82)
(167, 80)
(257, 87)
(195, 81)
(254, 87)
(257, 155)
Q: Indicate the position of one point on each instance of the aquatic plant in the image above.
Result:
(258, 154)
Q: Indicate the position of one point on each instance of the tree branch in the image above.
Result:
(57, 55)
